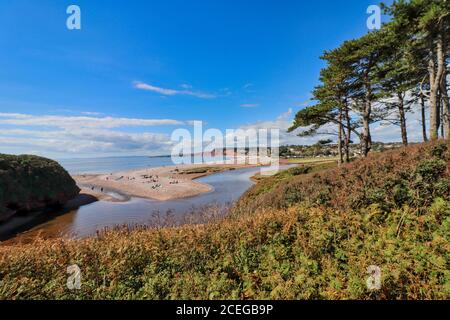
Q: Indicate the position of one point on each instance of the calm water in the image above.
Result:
(114, 164)
(87, 220)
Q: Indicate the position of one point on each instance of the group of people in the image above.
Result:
(149, 179)
(93, 188)
(152, 179)
(156, 186)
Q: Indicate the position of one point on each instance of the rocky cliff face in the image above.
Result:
(31, 182)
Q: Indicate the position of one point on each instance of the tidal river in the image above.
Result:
(87, 220)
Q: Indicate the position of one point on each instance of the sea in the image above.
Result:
(115, 164)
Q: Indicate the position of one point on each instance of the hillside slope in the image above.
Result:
(313, 238)
(30, 182)
(414, 176)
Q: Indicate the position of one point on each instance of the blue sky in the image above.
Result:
(228, 63)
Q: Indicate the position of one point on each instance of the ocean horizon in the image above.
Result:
(123, 163)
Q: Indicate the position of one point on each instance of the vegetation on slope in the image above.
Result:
(314, 241)
(414, 176)
(30, 182)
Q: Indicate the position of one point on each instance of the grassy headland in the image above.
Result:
(303, 234)
(30, 182)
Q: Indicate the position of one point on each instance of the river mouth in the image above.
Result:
(98, 216)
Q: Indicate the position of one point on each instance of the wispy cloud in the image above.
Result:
(385, 133)
(91, 113)
(19, 119)
(84, 142)
(187, 90)
(283, 122)
(51, 135)
(248, 87)
(74, 112)
(249, 105)
(225, 92)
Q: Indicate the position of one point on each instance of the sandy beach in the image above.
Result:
(161, 183)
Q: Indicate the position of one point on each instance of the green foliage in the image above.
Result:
(389, 180)
(324, 142)
(300, 170)
(268, 185)
(30, 182)
(301, 252)
(201, 170)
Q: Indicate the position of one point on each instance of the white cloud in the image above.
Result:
(249, 105)
(392, 133)
(172, 92)
(83, 142)
(66, 145)
(80, 121)
(90, 113)
(380, 132)
(57, 136)
(283, 122)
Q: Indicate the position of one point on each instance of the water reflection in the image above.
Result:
(87, 220)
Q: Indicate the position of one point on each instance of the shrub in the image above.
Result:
(296, 171)
(390, 179)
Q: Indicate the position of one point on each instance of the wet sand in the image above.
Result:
(162, 183)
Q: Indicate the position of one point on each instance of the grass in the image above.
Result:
(391, 210)
(312, 160)
(267, 184)
(203, 170)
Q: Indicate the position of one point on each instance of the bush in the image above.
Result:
(300, 170)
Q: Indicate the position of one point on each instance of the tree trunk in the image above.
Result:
(424, 119)
(441, 114)
(349, 134)
(435, 82)
(434, 119)
(341, 160)
(366, 137)
(446, 107)
(401, 113)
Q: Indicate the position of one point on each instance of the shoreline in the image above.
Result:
(18, 231)
(158, 183)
